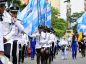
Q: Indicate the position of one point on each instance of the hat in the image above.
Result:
(40, 27)
(2, 2)
(14, 8)
(48, 29)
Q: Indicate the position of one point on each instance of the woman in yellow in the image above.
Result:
(79, 40)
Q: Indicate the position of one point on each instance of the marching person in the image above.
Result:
(55, 44)
(15, 34)
(3, 16)
(52, 37)
(2, 8)
(47, 46)
(32, 47)
(38, 44)
(63, 43)
(43, 42)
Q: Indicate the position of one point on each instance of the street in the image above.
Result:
(58, 60)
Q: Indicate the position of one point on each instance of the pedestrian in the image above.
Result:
(38, 44)
(2, 8)
(82, 48)
(43, 43)
(24, 46)
(32, 47)
(55, 45)
(47, 46)
(17, 30)
(51, 41)
(64, 48)
(74, 46)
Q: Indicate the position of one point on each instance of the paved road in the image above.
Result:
(58, 60)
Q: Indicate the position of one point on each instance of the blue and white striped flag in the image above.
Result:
(26, 11)
(84, 18)
(81, 21)
(48, 16)
(35, 20)
(26, 17)
(42, 12)
(27, 23)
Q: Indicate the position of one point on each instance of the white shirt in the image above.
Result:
(1, 38)
(47, 44)
(55, 40)
(37, 36)
(43, 39)
(10, 28)
(52, 37)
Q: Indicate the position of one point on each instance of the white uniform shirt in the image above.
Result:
(1, 38)
(43, 39)
(46, 40)
(8, 28)
(37, 36)
(52, 37)
(55, 40)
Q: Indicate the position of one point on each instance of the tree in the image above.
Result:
(59, 25)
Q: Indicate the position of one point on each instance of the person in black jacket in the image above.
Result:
(82, 48)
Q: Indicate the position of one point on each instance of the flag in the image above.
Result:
(26, 17)
(35, 20)
(48, 16)
(84, 18)
(27, 23)
(81, 21)
(26, 11)
(42, 12)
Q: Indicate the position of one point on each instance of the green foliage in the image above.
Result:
(59, 25)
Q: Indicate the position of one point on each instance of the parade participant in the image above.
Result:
(38, 44)
(74, 46)
(24, 43)
(16, 36)
(43, 41)
(51, 41)
(2, 8)
(3, 31)
(55, 44)
(63, 44)
(32, 47)
(47, 47)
